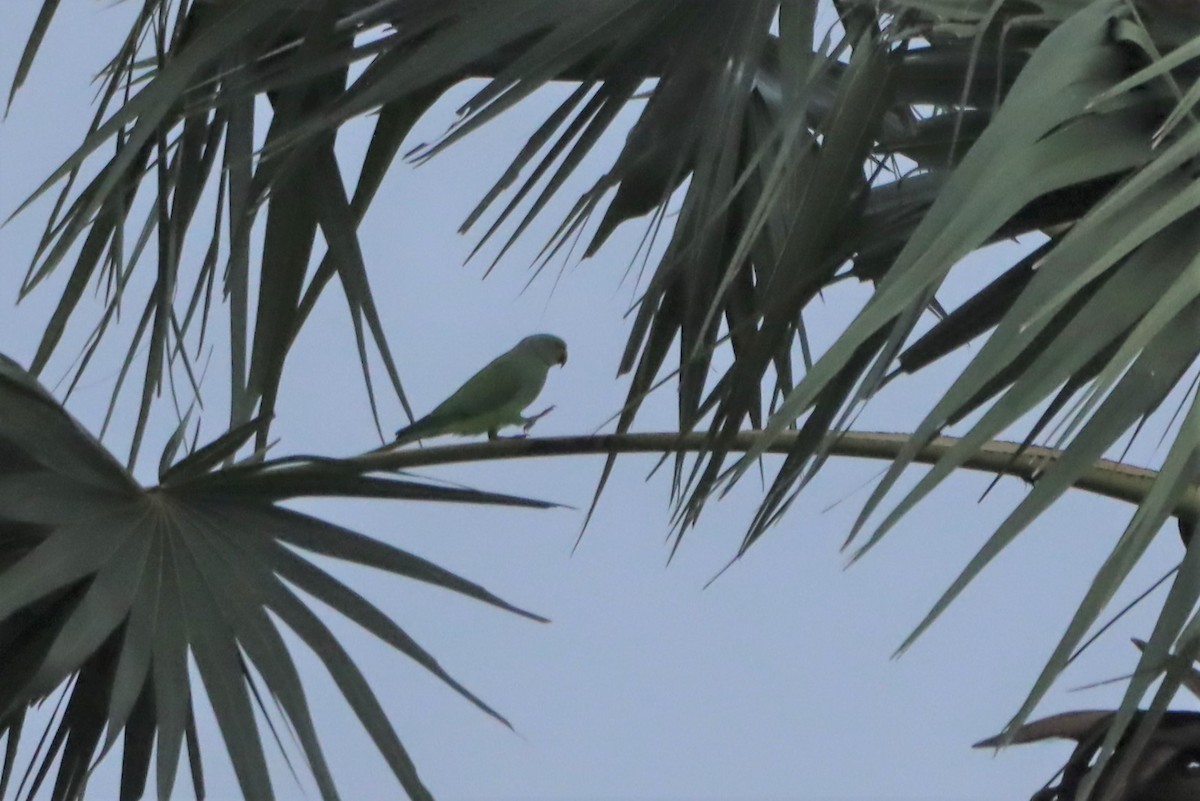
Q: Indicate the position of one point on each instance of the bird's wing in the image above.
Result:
(497, 386)
(491, 398)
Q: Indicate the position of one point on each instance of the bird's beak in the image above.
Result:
(563, 361)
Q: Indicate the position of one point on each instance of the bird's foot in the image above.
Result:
(529, 421)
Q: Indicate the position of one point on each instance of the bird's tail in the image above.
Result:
(425, 427)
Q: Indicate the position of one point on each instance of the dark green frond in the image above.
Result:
(107, 588)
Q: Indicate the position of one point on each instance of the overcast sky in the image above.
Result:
(775, 682)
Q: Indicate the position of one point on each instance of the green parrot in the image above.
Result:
(496, 395)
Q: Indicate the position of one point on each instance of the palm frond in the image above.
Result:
(108, 588)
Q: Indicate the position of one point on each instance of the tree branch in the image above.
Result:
(1108, 478)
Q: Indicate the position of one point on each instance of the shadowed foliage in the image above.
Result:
(108, 588)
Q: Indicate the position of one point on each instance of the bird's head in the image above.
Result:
(546, 347)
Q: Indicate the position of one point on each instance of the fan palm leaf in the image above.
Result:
(110, 587)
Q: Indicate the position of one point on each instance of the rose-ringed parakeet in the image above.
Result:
(495, 396)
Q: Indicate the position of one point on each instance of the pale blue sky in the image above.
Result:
(775, 682)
